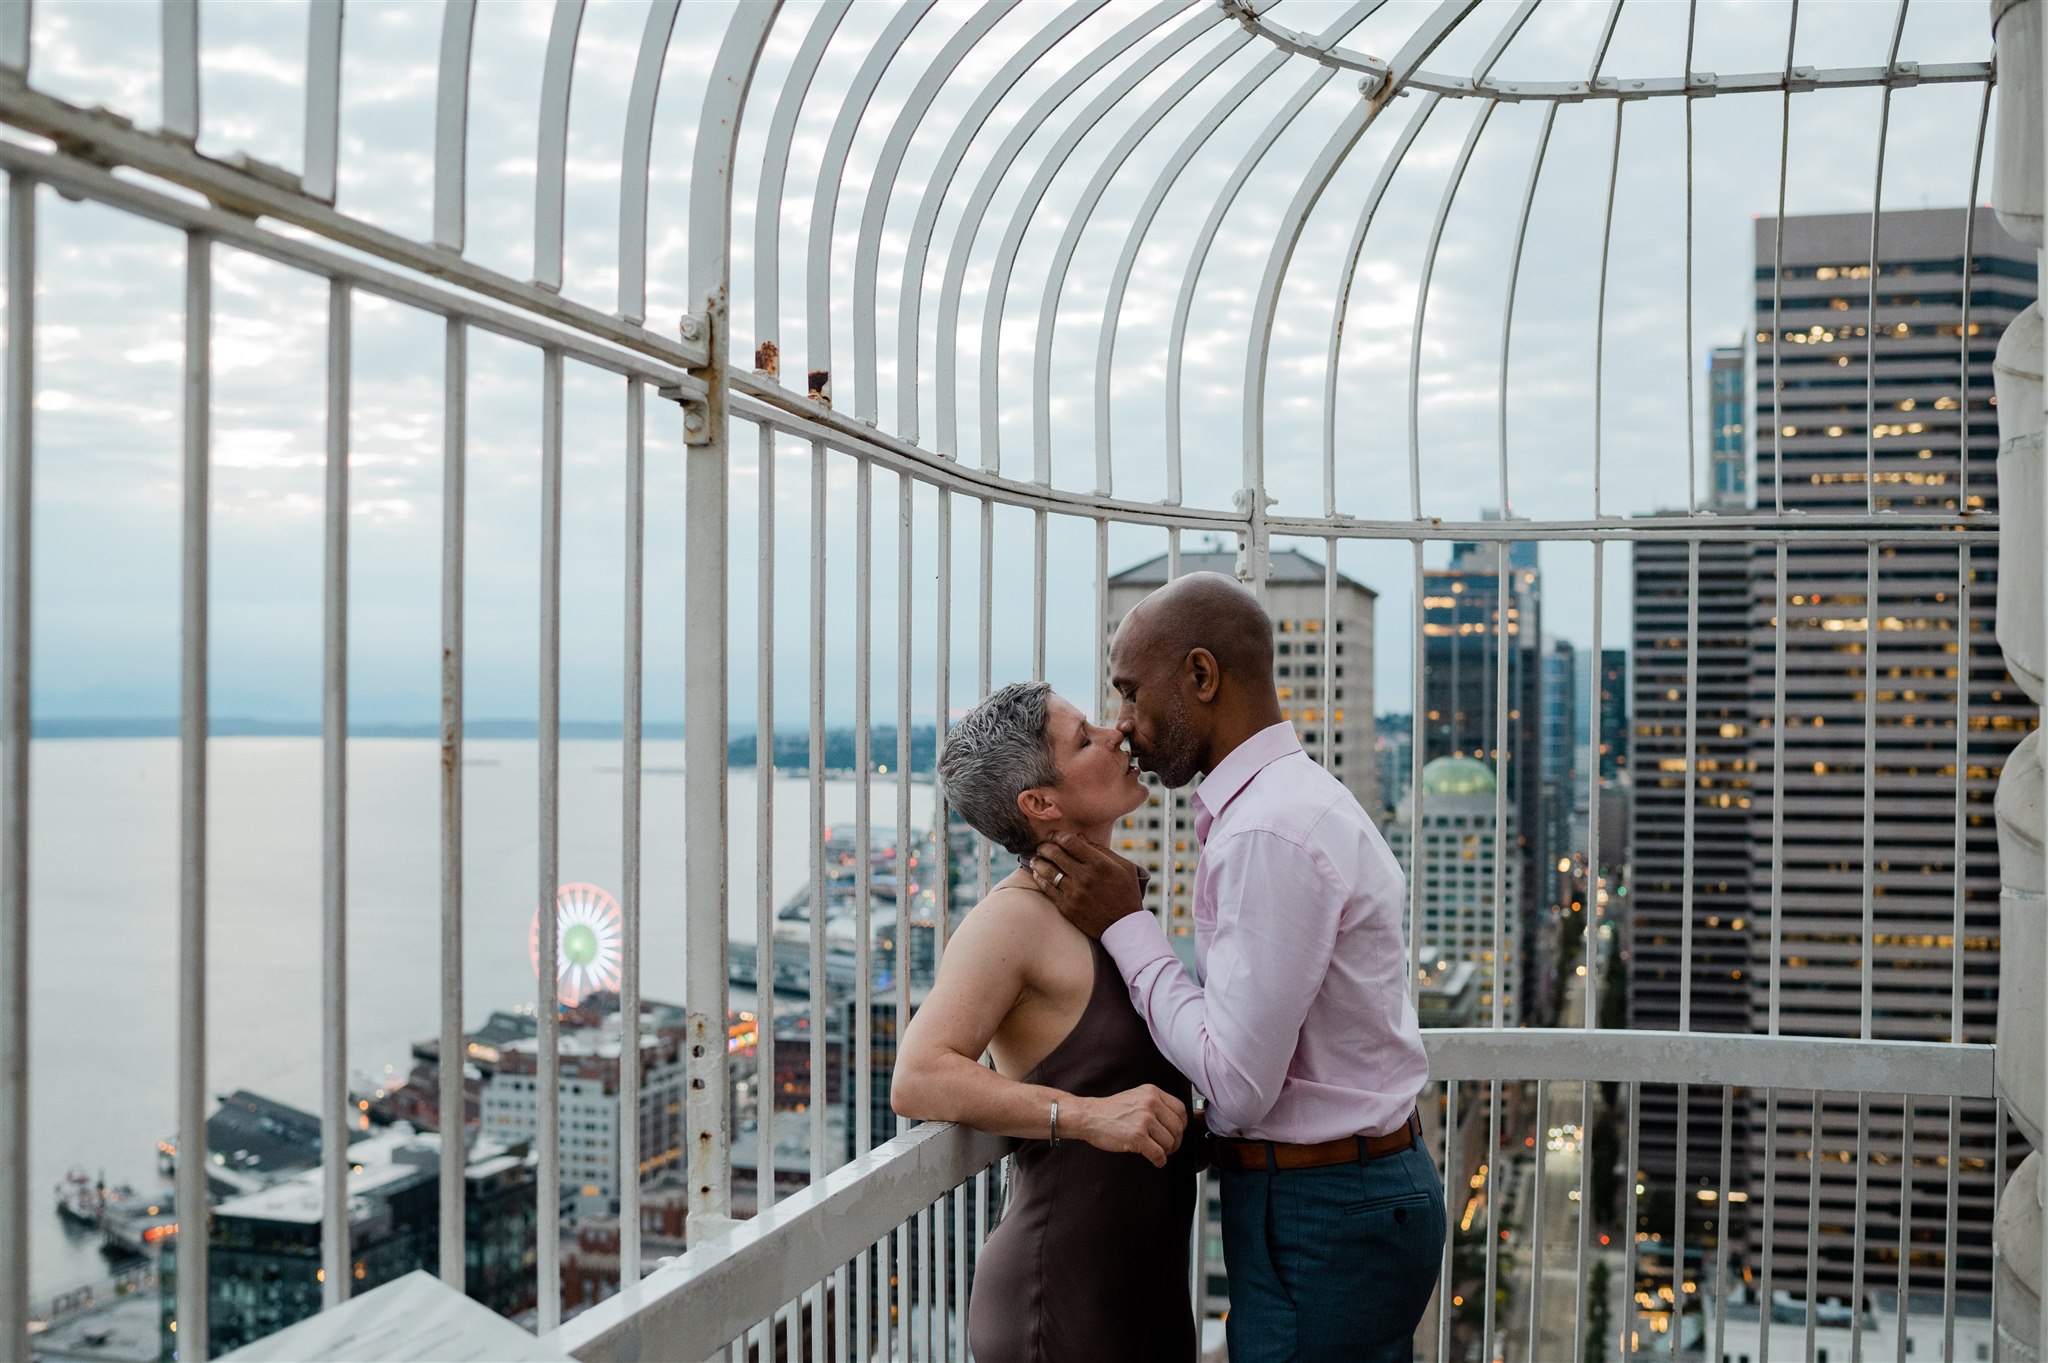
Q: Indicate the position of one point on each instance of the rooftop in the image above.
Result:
(1457, 776)
(1291, 567)
(380, 1161)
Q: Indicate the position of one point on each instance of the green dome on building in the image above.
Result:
(1457, 776)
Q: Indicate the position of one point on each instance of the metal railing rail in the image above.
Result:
(720, 1290)
(726, 1288)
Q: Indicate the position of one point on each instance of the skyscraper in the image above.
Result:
(1860, 414)
(1463, 655)
(1695, 702)
(1561, 777)
(1728, 429)
(1613, 715)
(1323, 671)
(1395, 744)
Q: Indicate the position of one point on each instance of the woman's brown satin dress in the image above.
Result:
(1090, 1263)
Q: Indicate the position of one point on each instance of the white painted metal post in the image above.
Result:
(454, 501)
(708, 1109)
(548, 1056)
(15, 523)
(334, 1123)
(630, 1152)
(193, 1219)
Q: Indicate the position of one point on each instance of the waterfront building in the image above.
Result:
(263, 1248)
(588, 1085)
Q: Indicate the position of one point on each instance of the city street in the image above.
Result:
(1558, 1167)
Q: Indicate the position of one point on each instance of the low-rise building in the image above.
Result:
(263, 1248)
(1466, 878)
(588, 1088)
(1447, 992)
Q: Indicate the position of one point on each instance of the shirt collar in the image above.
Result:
(1247, 760)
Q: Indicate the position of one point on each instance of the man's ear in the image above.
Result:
(1203, 674)
(1039, 803)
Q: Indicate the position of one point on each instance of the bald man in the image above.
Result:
(1297, 1024)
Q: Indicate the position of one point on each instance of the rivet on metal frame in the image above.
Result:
(696, 414)
(696, 422)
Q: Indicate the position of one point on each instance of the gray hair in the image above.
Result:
(996, 753)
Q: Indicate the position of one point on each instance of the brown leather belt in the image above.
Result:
(1246, 1155)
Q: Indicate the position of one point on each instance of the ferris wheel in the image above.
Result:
(587, 942)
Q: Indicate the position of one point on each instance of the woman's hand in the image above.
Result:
(1144, 1121)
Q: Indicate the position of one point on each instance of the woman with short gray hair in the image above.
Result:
(1090, 1260)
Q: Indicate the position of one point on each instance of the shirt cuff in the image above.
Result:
(1135, 941)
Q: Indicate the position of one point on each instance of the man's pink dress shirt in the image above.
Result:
(1301, 1029)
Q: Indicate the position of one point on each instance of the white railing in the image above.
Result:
(822, 1266)
(831, 1266)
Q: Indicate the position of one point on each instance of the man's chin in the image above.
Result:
(1166, 777)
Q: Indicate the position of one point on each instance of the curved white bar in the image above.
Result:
(451, 125)
(1260, 334)
(551, 158)
(977, 209)
(1141, 226)
(1184, 300)
(1063, 257)
(1395, 157)
(1350, 272)
(910, 292)
(825, 198)
(775, 175)
(323, 98)
(181, 69)
(1020, 220)
(635, 156)
(882, 187)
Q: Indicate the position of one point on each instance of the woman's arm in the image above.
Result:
(939, 1077)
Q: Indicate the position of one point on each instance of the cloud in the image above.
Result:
(111, 345)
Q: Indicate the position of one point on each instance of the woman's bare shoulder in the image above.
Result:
(1009, 910)
(1017, 933)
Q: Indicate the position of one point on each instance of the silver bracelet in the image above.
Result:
(1055, 1121)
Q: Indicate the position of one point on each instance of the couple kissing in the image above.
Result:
(1296, 1024)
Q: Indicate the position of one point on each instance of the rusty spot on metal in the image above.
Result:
(821, 386)
(768, 358)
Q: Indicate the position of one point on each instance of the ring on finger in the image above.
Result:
(1057, 877)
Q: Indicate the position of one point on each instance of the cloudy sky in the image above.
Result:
(110, 329)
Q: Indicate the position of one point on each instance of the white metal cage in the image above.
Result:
(1398, 240)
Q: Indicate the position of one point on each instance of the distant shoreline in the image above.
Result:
(792, 748)
(231, 726)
